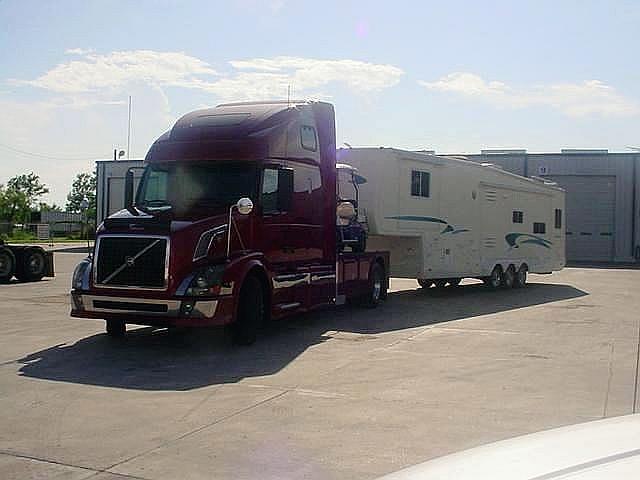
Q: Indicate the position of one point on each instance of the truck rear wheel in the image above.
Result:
(494, 280)
(424, 283)
(454, 282)
(7, 265)
(441, 283)
(377, 286)
(116, 328)
(33, 265)
(251, 312)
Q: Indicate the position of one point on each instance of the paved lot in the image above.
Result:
(342, 393)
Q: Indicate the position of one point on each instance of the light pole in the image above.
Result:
(84, 205)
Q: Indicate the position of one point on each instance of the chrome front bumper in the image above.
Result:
(144, 306)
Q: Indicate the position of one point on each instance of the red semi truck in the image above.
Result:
(237, 220)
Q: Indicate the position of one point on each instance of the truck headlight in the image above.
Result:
(206, 282)
(80, 279)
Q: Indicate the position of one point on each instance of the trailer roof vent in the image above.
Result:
(590, 151)
(504, 151)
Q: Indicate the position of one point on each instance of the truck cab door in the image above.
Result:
(274, 239)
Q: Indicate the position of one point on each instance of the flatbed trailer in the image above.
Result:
(27, 263)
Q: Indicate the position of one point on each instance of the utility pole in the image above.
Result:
(129, 129)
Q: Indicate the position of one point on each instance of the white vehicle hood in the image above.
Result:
(603, 449)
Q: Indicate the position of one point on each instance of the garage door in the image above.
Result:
(590, 216)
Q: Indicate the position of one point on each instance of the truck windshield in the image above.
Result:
(185, 187)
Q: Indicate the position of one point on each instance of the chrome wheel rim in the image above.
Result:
(377, 288)
(522, 277)
(36, 263)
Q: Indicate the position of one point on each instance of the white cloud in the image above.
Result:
(97, 73)
(573, 99)
(309, 73)
(78, 51)
(94, 78)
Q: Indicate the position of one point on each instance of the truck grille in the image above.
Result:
(137, 262)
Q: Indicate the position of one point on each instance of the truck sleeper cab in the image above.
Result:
(233, 223)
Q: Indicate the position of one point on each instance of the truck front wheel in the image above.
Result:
(7, 265)
(251, 312)
(116, 328)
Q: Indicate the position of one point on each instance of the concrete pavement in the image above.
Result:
(343, 393)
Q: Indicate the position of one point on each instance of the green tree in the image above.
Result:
(84, 186)
(20, 196)
(45, 207)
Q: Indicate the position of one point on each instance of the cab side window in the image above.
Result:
(269, 192)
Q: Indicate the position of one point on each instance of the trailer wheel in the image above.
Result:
(509, 277)
(521, 277)
(454, 282)
(441, 283)
(33, 265)
(116, 328)
(494, 280)
(7, 265)
(424, 283)
(377, 286)
(251, 312)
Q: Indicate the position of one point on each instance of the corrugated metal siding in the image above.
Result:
(590, 216)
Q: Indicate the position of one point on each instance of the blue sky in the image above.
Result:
(450, 76)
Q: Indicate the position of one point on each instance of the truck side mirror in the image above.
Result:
(128, 190)
(285, 189)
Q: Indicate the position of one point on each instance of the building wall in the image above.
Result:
(623, 167)
(110, 185)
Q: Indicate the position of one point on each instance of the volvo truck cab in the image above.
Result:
(233, 223)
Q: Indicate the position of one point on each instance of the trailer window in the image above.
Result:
(558, 222)
(539, 227)
(420, 183)
(518, 217)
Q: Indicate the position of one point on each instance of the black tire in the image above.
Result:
(424, 283)
(454, 282)
(521, 277)
(494, 280)
(377, 287)
(7, 265)
(116, 328)
(509, 277)
(251, 312)
(33, 265)
(441, 283)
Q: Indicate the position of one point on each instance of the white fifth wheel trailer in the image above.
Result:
(445, 218)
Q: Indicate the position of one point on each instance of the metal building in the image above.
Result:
(603, 197)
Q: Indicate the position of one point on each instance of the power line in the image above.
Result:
(48, 157)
